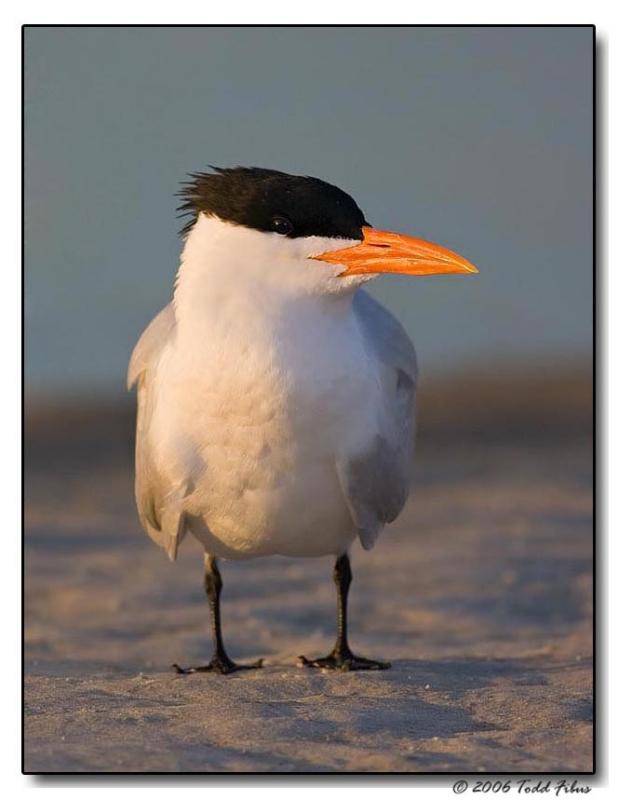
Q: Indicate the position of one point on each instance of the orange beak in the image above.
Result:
(383, 251)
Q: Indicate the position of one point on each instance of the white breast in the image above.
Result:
(254, 418)
(264, 384)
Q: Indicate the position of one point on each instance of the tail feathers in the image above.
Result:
(369, 535)
(170, 535)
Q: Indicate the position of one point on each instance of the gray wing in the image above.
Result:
(159, 506)
(376, 483)
(151, 343)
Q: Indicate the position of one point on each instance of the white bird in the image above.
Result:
(276, 399)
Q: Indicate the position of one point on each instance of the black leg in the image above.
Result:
(342, 657)
(220, 661)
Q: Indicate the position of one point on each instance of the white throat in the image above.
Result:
(239, 274)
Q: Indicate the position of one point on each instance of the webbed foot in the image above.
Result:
(222, 665)
(345, 661)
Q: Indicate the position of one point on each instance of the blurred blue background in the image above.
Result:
(477, 138)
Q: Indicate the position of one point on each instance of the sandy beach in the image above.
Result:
(480, 595)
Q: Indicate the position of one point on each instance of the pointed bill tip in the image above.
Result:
(387, 251)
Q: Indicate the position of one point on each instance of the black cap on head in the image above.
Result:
(267, 200)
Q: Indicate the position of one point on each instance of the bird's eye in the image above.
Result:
(282, 225)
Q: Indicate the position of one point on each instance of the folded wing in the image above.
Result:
(159, 505)
(376, 482)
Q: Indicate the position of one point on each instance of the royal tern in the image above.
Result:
(276, 398)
